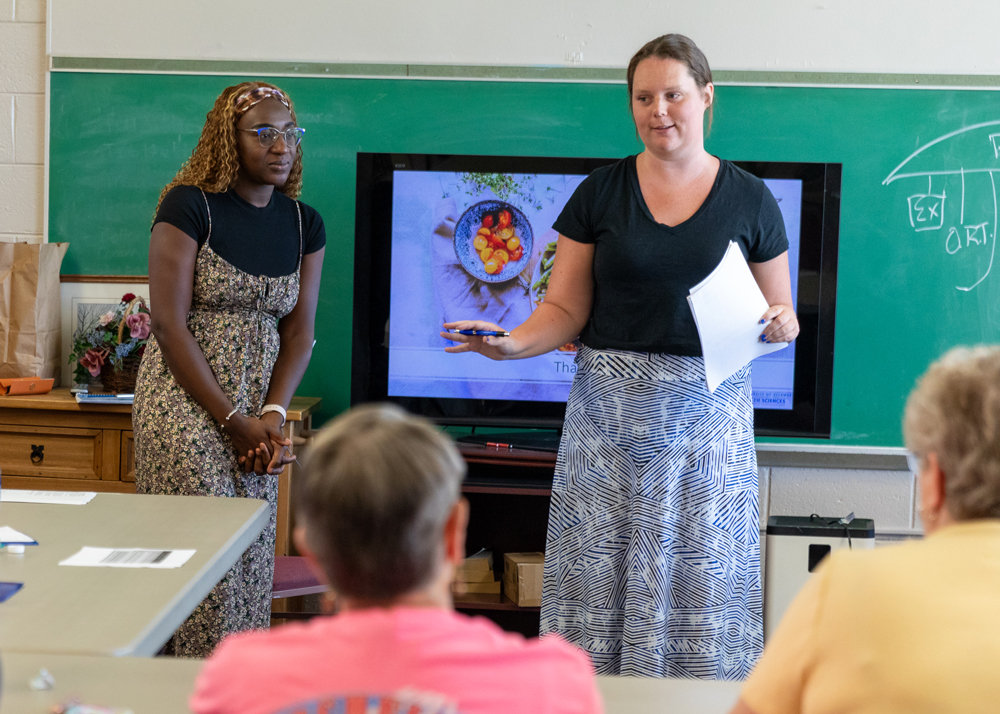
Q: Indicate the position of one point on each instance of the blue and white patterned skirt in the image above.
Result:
(652, 561)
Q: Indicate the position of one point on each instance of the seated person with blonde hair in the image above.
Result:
(381, 518)
(913, 627)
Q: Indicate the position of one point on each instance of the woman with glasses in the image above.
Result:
(234, 274)
(912, 627)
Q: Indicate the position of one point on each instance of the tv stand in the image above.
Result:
(547, 441)
(509, 491)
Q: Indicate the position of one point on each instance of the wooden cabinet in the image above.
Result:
(52, 452)
(127, 461)
(49, 442)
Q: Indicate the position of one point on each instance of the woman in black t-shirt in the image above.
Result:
(234, 273)
(653, 555)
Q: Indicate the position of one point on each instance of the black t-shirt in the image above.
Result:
(259, 241)
(644, 270)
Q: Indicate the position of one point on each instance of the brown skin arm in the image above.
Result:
(296, 330)
(172, 255)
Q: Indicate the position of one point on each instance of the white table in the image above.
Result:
(637, 695)
(117, 611)
(163, 684)
(146, 685)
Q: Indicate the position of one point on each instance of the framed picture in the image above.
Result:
(82, 304)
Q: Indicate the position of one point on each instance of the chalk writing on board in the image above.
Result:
(926, 211)
(961, 162)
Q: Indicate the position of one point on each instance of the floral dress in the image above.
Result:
(181, 450)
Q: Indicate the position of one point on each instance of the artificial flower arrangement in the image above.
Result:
(111, 338)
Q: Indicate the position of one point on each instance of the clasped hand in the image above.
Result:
(261, 446)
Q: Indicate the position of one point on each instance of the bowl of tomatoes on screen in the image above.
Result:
(493, 241)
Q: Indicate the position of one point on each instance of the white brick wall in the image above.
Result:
(22, 119)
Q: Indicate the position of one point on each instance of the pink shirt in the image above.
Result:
(380, 657)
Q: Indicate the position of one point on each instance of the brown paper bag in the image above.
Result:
(30, 312)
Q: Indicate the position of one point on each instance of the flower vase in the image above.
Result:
(121, 381)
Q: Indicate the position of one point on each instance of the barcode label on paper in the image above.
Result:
(135, 557)
(128, 558)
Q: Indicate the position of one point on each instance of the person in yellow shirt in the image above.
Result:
(915, 627)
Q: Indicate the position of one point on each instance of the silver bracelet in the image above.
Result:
(223, 423)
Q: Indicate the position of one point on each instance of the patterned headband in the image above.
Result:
(254, 96)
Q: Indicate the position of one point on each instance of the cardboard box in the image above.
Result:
(475, 575)
(468, 576)
(491, 588)
(522, 578)
(477, 563)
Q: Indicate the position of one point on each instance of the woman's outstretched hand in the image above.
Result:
(782, 324)
(498, 348)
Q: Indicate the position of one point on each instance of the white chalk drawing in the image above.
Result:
(926, 210)
(953, 243)
(995, 140)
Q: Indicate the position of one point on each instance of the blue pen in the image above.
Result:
(481, 333)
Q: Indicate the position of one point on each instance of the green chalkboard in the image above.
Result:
(916, 246)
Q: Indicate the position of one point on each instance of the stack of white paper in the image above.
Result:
(69, 498)
(727, 306)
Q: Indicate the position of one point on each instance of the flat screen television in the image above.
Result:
(418, 263)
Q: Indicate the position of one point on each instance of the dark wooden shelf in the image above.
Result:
(482, 601)
(507, 487)
(509, 493)
(475, 454)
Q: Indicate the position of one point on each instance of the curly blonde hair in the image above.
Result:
(215, 161)
(954, 412)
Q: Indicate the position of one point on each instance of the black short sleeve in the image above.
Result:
(576, 219)
(184, 208)
(644, 270)
(259, 240)
(313, 230)
(771, 240)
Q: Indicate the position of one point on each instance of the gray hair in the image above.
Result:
(954, 412)
(374, 496)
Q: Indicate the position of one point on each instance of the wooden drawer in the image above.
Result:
(128, 456)
(58, 452)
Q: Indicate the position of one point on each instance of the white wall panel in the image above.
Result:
(886, 496)
(29, 10)
(21, 189)
(29, 129)
(6, 128)
(920, 36)
(22, 57)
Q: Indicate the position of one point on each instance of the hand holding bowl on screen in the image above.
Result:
(498, 348)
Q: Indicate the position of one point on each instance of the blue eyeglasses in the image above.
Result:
(267, 135)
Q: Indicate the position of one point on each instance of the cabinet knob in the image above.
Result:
(37, 453)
